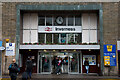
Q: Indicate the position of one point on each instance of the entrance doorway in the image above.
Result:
(47, 62)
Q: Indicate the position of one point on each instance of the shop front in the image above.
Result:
(72, 61)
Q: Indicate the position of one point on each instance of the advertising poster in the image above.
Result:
(91, 58)
(109, 55)
(10, 49)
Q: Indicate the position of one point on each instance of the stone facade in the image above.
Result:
(110, 26)
(1, 21)
(110, 30)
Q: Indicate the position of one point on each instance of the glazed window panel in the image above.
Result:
(70, 20)
(78, 38)
(56, 38)
(70, 38)
(63, 38)
(48, 38)
(41, 38)
(41, 21)
(48, 21)
(77, 20)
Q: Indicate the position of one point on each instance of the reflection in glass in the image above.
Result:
(63, 38)
(73, 62)
(45, 62)
(70, 21)
(41, 21)
(70, 38)
(77, 21)
(48, 38)
(48, 21)
(78, 38)
(56, 38)
(41, 38)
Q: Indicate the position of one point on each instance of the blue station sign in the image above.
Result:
(110, 55)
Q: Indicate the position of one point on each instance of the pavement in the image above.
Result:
(65, 77)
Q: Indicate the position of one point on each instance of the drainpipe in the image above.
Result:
(101, 41)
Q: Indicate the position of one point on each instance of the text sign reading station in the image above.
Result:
(10, 49)
(59, 29)
(110, 55)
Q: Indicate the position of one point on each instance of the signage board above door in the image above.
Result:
(59, 29)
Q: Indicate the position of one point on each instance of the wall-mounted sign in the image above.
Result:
(110, 55)
(10, 49)
(91, 58)
(59, 29)
(0, 59)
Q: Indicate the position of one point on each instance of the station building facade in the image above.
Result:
(70, 31)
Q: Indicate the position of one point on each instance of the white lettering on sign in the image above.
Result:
(65, 29)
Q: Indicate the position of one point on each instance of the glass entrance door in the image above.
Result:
(73, 63)
(45, 63)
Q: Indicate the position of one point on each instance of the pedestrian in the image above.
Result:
(29, 66)
(25, 76)
(86, 64)
(59, 67)
(13, 70)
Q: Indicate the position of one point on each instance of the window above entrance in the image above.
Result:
(62, 38)
(59, 20)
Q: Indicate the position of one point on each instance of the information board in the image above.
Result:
(91, 58)
(110, 55)
(10, 49)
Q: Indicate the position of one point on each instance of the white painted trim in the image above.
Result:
(59, 46)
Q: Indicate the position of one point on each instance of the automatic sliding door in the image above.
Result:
(45, 63)
(73, 63)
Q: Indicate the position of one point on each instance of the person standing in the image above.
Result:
(13, 70)
(86, 63)
(29, 66)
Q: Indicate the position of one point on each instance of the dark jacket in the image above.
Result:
(29, 65)
(13, 69)
(86, 63)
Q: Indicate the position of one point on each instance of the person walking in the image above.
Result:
(29, 66)
(59, 67)
(13, 70)
(86, 63)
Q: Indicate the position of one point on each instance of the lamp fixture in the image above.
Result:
(45, 50)
(7, 40)
(65, 50)
(54, 50)
(74, 50)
